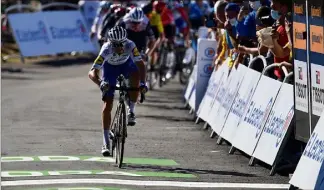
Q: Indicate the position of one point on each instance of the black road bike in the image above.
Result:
(119, 124)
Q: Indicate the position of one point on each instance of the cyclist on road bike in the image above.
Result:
(97, 24)
(138, 28)
(166, 18)
(111, 19)
(117, 56)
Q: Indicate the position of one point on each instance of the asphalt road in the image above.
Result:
(51, 137)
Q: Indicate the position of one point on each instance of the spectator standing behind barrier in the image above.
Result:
(231, 12)
(281, 52)
(223, 49)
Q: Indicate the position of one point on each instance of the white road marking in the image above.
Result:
(214, 151)
(145, 183)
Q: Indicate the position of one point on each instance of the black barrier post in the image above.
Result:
(301, 66)
(252, 65)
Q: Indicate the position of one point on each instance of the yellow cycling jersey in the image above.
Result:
(155, 20)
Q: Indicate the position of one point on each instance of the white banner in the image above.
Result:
(205, 56)
(233, 84)
(255, 117)
(212, 89)
(276, 126)
(192, 99)
(317, 77)
(209, 86)
(68, 31)
(191, 83)
(301, 95)
(219, 93)
(310, 170)
(240, 104)
(31, 33)
(48, 33)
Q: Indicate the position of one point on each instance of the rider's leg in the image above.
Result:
(110, 74)
(131, 71)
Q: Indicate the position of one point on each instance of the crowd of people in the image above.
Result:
(241, 28)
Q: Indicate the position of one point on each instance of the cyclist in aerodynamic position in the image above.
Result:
(118, 55)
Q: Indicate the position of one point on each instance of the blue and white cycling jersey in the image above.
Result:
(107, 54)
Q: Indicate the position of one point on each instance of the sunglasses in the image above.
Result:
(117, 44)
(136, 23)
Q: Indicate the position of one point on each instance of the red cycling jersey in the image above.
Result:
(167, 17)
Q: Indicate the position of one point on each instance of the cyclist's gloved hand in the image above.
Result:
(104, 86)
(143, 87)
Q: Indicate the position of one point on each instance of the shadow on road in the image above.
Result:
(186, 171)
(167, 118)
(15, 78)
(166, 107)
(68, 61)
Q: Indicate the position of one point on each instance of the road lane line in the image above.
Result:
(60, 158)
(144, 183)
(37, 173)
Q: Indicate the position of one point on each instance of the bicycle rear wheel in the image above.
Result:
(121, 134)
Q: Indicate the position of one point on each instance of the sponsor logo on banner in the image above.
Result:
(301, 90)
(39, 34)
(256, 116)
(318, 77)
(315, 148)
(286, 124)
(278, 125)
(240, 104)
(210, 52)
(208, 69)
(229, 98)
(78, 31)
(300, 73)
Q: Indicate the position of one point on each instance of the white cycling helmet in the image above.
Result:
(117, 34)
(136, 14)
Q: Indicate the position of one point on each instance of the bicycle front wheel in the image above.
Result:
(122, 133)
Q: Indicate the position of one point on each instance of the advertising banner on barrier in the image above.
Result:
(276, 127)
(226, 101)
(242, 99)
(255, 117)
(192, 99)
(209, 86)
(310, 170)
(191, 83)
(301, 96)
(219, 93)
(317, 76)
(205, 56)
(48, 33)
(212, 89)
(31, 33)
(69, 31)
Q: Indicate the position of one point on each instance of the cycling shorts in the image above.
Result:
(111, 72)
(155, 31)
(169, 31)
